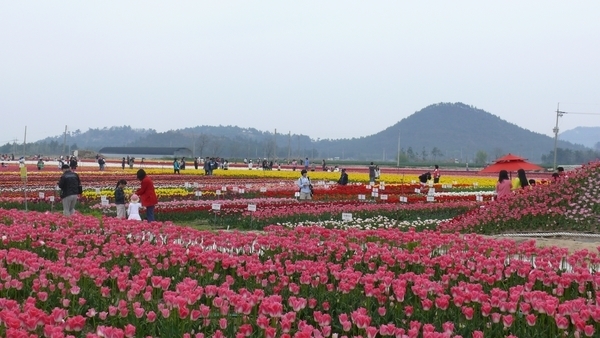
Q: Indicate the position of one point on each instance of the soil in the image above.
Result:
(571, 243)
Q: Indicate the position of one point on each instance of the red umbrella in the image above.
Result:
(510, 163)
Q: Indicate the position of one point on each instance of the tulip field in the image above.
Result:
(385, 260)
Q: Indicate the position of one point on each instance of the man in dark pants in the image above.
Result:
(69, 185)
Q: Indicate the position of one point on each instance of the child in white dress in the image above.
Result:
(133, 211)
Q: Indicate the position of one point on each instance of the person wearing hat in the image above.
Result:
(133, 210)
(343, 178)
(147, 194)
(305, 186)
(70, 186)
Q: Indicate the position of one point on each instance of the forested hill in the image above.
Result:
(439, 132)
(455, 130)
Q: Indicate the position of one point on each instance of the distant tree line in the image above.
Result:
(571, 157)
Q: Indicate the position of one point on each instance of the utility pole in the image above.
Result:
(398, 161)
(24, 141)
(64, 140)
(289, 145)
(560, 113)
(555, 130)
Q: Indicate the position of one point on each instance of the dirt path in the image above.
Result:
(571, 243)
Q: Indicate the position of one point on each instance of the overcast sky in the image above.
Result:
(328, 69)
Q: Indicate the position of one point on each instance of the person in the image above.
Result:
(531, 182)
(561, 172)
(123, 163)
(133, 210)
(175, 166)
(520, 182)
(147, 194)
(343, 178)
(555, 177)
(294, 164)
(324, 165)
(196, 163)
(73, 162)
(207, 166)
(120, 198)
(424, 178)
(304, 185)
(306, 164)
(40, 164)
(101, 163)
(436, 174)
(70, 186)
(372, 169)
(503, 186)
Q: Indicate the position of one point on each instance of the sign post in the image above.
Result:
(24, 179)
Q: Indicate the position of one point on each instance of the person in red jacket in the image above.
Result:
(147, 194)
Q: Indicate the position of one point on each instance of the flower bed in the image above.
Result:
(86, 277)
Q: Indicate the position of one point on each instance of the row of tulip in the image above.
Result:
(572, 203)
(95, 277)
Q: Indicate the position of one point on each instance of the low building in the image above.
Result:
(145, 152)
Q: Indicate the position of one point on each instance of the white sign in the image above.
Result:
(218, 192)
(431, 190)
(51, 198)
(198, 193)
(251, 207)
(346, 216)
(375, 190)
(235, 189)
(103, 198)
(479, 198)
(281, 183)
(361, 197)
(297, 194)
(195, 184)
(374, 194)
(263, 189)
(368, 186)
(97, 190)
(384, 197)
(186, 185)
(403, 199)
(216, 206)
(248, 186)
(430, 199)
(104, 203)
(241, 191)
(41, 194)
(417, 191)
(223, 188)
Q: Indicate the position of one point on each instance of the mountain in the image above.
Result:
(587, 136)
(440, 132)
(456, 130)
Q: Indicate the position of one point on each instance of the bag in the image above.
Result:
(79, 190)
(311, 189)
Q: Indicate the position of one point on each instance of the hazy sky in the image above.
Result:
(328, 69)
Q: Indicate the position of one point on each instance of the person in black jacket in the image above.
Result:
(343, 178)
(70, 187)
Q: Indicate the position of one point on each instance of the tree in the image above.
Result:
(498, 152)
(411, 154)
(424, 154)
(435, 153)
(481, 157)
(201, 142)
